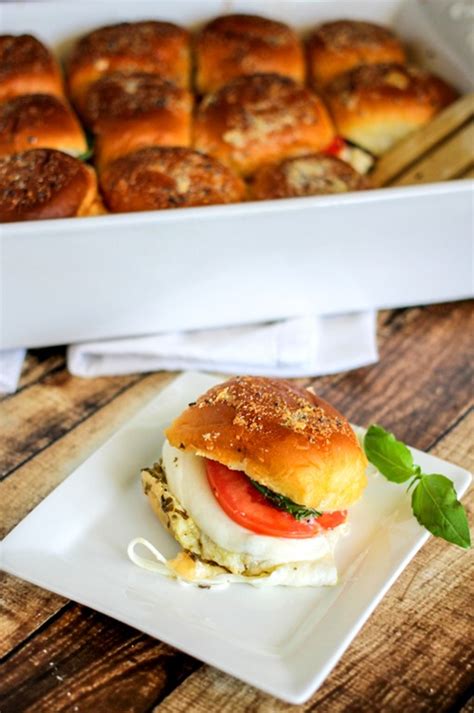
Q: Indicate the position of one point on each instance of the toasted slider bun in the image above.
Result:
(310, 175)
(37, 121)
(156, 47)
(284, 437)
(27, 67)
(262, 118)
(156, 178)
(128, 111)
(44, 183)
(235, 45)
(374, 106)
(337, 47)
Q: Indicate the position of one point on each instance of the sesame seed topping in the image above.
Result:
(261, 403)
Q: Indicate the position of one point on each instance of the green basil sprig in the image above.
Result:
(434, 501)
(299, 512)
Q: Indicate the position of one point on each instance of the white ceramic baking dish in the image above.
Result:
(69, 280)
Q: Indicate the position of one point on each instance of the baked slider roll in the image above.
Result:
(37, 121)
(337, 47)
(374, 106)
(254, 483)
(44, 183)
(235, 45)
(156, 47)
(310, 175)
(258, 119)
(130, 111)
(168, 177)
(27, 67)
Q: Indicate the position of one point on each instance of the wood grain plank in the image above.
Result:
(423, 381)
(23, 609)
(421, 627)
(45, 412)
(38, 364)
(34, 480)
(85, 661)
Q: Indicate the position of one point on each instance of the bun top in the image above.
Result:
(337, 47)
(261, 118)
(310, 175)
(44, 183)
(37, 121)
(154, 178)
(27, 66)
(147, 41)
(156, 47)
(392, 84)
(235, 45)
(127, 95)
(280, 435)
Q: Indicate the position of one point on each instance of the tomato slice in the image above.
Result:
(335, 148)
(246, 506)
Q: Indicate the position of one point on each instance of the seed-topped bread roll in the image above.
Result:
(157, 178)
(37, 121)
(337, 47)
(236, 45)
(44, 183)
(258, 119)
(281, 436)
(310, 175)
(27, 67)
(156, 47)
(376, 105)
(128, 111)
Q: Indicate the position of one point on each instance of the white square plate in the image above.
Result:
(282, 640)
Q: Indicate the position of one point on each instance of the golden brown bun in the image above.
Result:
(128, 111)
(255, 120)
(155, 47)
(284, 437)
(337, 47)
(310, 175)
(27, 67)
(235, 45)
(38, 121)
(374, 106)
(157, 178)
(44, 183)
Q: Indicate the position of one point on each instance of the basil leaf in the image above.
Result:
(89, 152)
(391, 457)
(299, 512)
(437, 508)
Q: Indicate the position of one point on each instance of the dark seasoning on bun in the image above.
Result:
(168, 178)
(27, 66)
(44, 183)
(255, 481)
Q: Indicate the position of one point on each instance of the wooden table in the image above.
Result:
(415, 652)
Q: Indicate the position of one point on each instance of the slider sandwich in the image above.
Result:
(255, 483)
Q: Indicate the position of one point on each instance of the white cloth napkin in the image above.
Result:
(11, 361)
(304, 346)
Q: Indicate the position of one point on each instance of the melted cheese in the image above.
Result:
(187, 481)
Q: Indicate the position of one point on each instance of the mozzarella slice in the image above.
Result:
(187, 480)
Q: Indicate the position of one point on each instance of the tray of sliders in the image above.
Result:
(174, 165)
